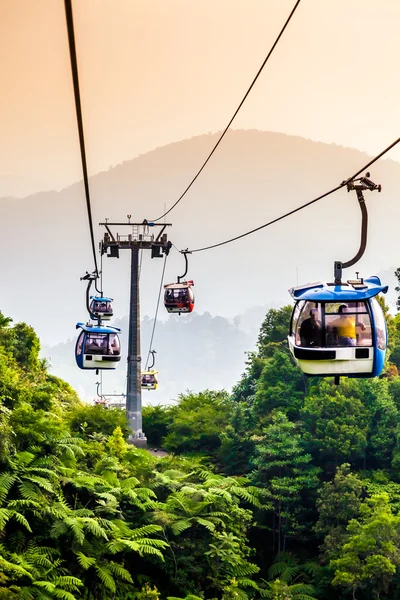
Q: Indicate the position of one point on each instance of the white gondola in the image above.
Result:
(101, 308)
(97, 347)
(339, 329)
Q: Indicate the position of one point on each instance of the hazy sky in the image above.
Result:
(157, 71)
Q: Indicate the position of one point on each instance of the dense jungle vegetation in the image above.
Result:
(286, 489)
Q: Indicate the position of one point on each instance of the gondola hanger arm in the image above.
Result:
(185, 253)
(152, 352)
(359, 186)
(90, 278)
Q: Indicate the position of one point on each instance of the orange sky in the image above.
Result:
(157, 71)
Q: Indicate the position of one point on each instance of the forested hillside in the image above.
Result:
(286, 489)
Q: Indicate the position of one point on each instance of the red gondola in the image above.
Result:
(179, 297)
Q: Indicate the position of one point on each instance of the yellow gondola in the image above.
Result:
(149, 380)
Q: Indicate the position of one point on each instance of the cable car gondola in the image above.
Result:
(179, 297)
(101, 308)
(97, 347)
(339, 328)
(149, 380)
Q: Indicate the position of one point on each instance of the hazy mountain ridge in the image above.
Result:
(253, 177)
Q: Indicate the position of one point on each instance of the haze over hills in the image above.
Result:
(193, 353)
(253, 177)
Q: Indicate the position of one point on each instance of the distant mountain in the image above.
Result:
(253, 177)
(193, 352)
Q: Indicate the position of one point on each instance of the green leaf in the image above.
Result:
(106, 577)
(85, 561)
(21, 520)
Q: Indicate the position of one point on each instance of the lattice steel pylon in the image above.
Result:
(142, 236)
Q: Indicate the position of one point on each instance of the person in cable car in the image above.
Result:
(310, 330)
(150, 380)
(113, 344)
(345, 327)
(101, 308)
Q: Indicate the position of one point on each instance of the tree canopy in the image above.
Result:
(284, 489)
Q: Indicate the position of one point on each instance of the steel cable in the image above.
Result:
(234, 114)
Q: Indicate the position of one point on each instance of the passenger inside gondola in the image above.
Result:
(178, 297)
(149, 379)
(102, 343)
(333, 324)
(96, 343)
(102, 307)
(311, 330)
(344, 327)
(113, 345)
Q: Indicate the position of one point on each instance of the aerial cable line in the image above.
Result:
(155, 317)
(75, 79)
(234, 114)
(295, 210)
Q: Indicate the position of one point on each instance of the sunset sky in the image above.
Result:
(156, 71)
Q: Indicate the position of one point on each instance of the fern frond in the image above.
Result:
(115, 546)
(29, 491)
(93, 526)
(42, 483)
(22, 503)
(76, 529)
(244, 569)
(69, 583)
(180, 526)
(245, 582)
(143, 549)
(129, 483)
(206, 523)
(23, 459)
(247, 495)
(47, 585)
(21, 520)
(119, 571)
(139, 532)
(63, 594)
(7, 480)
(5, 516)
(106, 578)
(85, 561)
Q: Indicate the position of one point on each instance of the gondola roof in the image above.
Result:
(101, 299)
(352, 291)
(97, 328)
(181, 285)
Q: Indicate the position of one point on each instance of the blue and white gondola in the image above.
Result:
(349, 308)
(101, 308)
(97, 347)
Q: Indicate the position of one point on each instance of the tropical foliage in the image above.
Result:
(284, 489)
